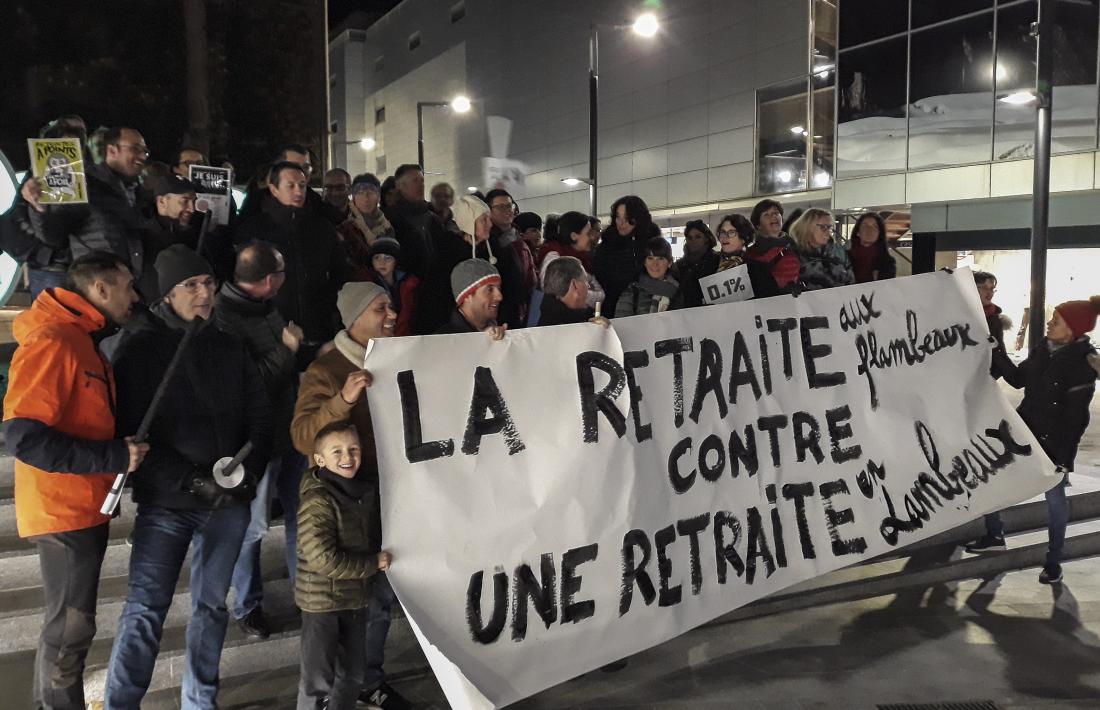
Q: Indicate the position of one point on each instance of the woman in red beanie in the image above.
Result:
(1058, 378)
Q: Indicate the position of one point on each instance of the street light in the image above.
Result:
(367, 143)
(645, 25)
(459, 104)
(574, 181)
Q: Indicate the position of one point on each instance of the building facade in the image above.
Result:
(892, 105)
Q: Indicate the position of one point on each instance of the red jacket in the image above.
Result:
(59, 417)
(779, 255)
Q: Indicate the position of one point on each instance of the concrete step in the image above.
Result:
(21, 576)
(243, 656)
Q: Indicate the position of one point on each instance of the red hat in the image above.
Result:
(1080, 316)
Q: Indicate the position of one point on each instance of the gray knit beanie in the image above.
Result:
(353, 299)
(470, 275)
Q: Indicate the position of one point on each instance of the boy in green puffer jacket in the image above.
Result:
(337, 559)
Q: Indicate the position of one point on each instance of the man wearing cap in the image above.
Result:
(1059, 383)
(244, 307)
(214, 403)
(402, 287)
(476, 287)
(171, 224)
(332, 390)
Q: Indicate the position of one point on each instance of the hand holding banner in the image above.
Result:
(575, 494)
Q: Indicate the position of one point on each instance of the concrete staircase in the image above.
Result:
(255, 673)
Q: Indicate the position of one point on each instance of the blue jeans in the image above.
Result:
(282, 477)
(1057, 518)
(161, 539)
(378, 626)
(39, 280)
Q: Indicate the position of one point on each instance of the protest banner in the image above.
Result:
(572, 495)
(728, 286)
(58, 163)
(213, 188)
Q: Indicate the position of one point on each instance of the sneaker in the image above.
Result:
(254, 624)
(1051, 574)
(384, 698)
(986, 543)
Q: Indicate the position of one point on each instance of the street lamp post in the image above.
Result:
(459, 104)
(646, 26)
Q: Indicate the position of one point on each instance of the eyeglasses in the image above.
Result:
(728, 233)
(501, 208)
(827, 228)
(139, 149)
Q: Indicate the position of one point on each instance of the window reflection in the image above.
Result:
(871, 109)
(926, 12)
(781, 114)
(865, 20)
(822, 136)
(950, 94)
(1075, 97)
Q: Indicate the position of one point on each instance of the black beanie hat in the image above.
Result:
(176, 264)
(386, 245)
(527, 220)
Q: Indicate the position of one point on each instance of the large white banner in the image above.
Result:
(575, 494)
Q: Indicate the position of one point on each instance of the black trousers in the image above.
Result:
(70, 579)
(334, 654)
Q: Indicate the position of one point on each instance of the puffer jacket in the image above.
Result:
(59, 417)
(1058, 387)
(688, 272)
(111, 220)
(825, 267)
(648, 295)
(337, 547)
(213, 404)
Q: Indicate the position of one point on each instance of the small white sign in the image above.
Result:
(729, 286)
(213, 188)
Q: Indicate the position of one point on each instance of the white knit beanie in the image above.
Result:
(466, 211)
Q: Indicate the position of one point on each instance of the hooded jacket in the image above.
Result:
(1058, 387)
(316, 265)
(338, 543)
(59, 416)
(213, 404)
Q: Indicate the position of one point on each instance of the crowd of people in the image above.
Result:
(254, 334)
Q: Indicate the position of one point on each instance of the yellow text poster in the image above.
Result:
(58, 164)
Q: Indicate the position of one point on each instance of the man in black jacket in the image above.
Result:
(415, 226)
(316, 264)
(214, 404)
(111, 221)
(565, 290)
(244, 307)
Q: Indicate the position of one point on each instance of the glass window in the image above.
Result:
(824, 56)
(871, 109)
(1075, 96)
(865, 20)
(951, 94)
(781, 118)
(822, 141)
(926, 12)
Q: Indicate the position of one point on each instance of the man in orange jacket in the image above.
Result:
(59, 423)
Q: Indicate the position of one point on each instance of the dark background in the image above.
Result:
(124, 62)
